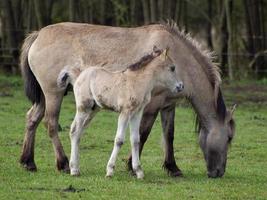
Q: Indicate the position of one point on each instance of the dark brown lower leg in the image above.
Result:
(167, 121)
(34, 116)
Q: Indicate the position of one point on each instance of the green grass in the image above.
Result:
(245, 178)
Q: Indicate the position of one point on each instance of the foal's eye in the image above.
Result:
(172, 68)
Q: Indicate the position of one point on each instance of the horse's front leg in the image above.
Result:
(167, 121)
(81, 120)
(135, 141)
(118, 142)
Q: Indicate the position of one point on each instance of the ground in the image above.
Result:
(245, 177)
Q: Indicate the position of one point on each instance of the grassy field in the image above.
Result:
(245, 178)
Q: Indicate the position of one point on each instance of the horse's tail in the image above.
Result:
(67, 76)
(31, 86)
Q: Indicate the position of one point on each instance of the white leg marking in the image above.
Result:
(135, 140)
(119, 140)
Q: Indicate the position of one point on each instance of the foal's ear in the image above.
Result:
(164, 53)
(156, 51)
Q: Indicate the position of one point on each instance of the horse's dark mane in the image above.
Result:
(206, 59)
(220, 107)
(143, 61)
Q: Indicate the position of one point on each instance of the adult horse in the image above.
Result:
(46, 52)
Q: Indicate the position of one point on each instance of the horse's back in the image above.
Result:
(68, 43)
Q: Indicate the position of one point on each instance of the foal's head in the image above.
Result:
(163, 69)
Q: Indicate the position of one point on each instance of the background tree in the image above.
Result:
(235, 29)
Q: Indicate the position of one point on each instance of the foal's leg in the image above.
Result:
(53, 104)
(148, 119)
(34, 116)
(81, 120)
(118, 142)
(135, 140)
(167, 121)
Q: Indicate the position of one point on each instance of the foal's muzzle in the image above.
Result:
(179, 86)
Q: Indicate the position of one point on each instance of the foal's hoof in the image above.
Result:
(139, 174)
(109, 175)
(110, 171)
(63, 165)
(172, 169)
(75, 172)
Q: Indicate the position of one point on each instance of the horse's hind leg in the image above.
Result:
(167, 121)
(34, 116)
(53, 104)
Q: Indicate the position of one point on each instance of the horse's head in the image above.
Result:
(166, 71)
(215, 143)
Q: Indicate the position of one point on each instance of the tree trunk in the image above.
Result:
(178, 11)
(255, 36)
(224, 40)
(153, 10)
(43, 11)
(146, 11)
(74, 10)
(228, 10)
(209, 24)
(102, 11)
(161, 9)
(185, 17)
(132, 10)
(11, 33)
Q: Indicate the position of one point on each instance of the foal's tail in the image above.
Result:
(67, 76)
(32, 88)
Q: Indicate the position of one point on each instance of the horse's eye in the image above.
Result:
(172, 68)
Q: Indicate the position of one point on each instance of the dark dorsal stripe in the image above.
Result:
(144, 60)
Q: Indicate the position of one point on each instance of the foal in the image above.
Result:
(126, 92)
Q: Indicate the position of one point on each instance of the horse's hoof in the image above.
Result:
(172, 169)
(63, 165)
(29, 165)
(75, 172)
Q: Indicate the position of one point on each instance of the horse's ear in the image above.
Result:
(233, 110)
(230, 113)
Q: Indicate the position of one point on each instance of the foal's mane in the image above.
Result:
(145, 60)
(207, 60)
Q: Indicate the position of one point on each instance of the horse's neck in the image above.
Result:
(204, 105)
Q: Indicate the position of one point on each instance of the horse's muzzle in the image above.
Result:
(179, 86)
